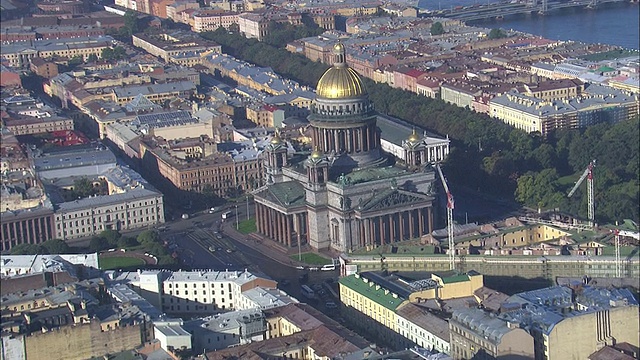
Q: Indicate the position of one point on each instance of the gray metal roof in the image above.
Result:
(107, 200)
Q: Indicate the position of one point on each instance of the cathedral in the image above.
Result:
(348, 193)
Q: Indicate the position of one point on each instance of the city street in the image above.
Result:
(206, 242)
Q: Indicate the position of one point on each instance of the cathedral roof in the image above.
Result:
(340, 81)
(286, 194)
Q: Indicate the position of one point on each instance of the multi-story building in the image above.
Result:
(480, 335)
(536, 115)
(46, 69)
(20, 54)
(173, 125)
(74, 161)
(207, 291)
(139, 208)
(381, 304)
(29, 125)
(459, 93)
(154, 92)
(225, 174)
(553, 89)
(574, 321)
(422, 328)
(177, 47)
(28, 226)
(228, 329)
(208, 20)
(265, 115)
(253, 26)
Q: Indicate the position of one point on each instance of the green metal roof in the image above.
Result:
(288, 194)
(455, 279)
(358, 285)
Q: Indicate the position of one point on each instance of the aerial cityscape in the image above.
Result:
(320, 179)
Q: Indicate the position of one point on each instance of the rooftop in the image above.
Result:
(373, 291)
(103, 200)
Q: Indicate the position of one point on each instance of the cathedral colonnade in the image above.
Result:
(390, 228)
(286, 229)
(355, 140)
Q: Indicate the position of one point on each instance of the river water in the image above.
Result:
(614, 24)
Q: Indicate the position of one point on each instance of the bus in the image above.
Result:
(226, 215)
(307, 292)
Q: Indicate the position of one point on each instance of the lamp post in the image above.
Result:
(247, 207)
(237, 220)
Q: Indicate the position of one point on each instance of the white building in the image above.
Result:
(171, 334)
(17, 265)
(253, 26)
(209, 291)
(139, 208)
(261, 298)
(227, 329)
(422, 328)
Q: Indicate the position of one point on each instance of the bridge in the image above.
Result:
(502, 9)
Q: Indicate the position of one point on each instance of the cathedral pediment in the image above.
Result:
(392, 198)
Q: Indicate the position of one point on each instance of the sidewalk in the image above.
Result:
(267, 246)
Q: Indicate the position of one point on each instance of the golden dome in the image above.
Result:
(340, 83)
(275, 140)
(413, 137)
(316, 154)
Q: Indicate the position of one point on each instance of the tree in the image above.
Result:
(125, 242)
(148, 237)
(437, 28)
(26, 249)
(83, 187)
(92, 58)
(130, 23)
(114, 54)
(55, 246)
(110, 237)
(497, 34)
(97, 244)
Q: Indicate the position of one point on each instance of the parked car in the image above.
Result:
(330, 305)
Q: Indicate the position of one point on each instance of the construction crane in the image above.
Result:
(450, 207)
(587, 174)
(618, 259)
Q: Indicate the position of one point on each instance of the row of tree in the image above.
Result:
(149, 240)
(53, 246)
(488, 155)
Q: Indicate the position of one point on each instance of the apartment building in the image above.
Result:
(480, 335)
(210, 20)
(253, 26)
(29, 125)
(139, 208)
(207, 291)
(422, 328)
(19, 54)
(224, 173)
(536, 115)
(574, 321)
(176, 47)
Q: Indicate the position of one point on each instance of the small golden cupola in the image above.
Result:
(275, 140)
(413, 138)
(340, 81)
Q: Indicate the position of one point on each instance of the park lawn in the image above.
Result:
(311, 259)
(109, 263)
(247, 226)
